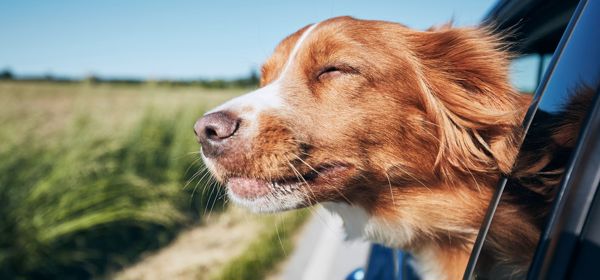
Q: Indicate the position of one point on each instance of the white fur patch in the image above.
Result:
(359, 224)
(296, 48)
(355, 218)
(426, 265)
(250, 104)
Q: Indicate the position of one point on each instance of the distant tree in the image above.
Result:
(91, 79)
(6, 74)
(48, 77)
(254, 78)
(219, 83)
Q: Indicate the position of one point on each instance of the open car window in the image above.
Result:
(553, 127)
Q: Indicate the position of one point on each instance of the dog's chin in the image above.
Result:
(264, 196)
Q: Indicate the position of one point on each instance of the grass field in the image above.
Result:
(93, 175)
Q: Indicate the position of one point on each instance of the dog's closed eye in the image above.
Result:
(334, 71)
(329, 72)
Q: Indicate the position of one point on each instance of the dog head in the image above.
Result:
(348, 107)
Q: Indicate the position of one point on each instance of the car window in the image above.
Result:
(526, 71)
(526, 197)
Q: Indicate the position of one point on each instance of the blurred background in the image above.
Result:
(100, 176)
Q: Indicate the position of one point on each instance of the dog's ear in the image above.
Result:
(465, 89)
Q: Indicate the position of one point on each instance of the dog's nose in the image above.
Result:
(213, 129)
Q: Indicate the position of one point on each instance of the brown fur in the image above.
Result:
(424, 123)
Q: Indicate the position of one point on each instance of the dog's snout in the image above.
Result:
(213, 129)
(216, 126)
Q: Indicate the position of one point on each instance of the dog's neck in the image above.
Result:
(359, 224)
(431, 261)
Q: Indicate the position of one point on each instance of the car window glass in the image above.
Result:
(530, 190)
(526, 71)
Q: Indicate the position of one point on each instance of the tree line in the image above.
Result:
(251, 80)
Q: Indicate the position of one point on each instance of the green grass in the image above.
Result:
(91, 176)
(270, 248)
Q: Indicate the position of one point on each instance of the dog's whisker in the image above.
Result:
(214, 201)
(198, 173)
(191, 165)
(318, 173)
(207, 187)
(196, 187)
(309, 166)
(390, 186)
(300, 177)
(279, 237)
(202, 171)
(210, 198)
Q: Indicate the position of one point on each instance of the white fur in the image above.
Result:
(359, 224)
(355, 218)
(425, 264)
(250, 104)
(296, 48)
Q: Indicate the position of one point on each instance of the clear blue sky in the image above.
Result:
(182, 39)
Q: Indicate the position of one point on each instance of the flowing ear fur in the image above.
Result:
(465, 90)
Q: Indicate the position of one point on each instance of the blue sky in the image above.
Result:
(182, 39)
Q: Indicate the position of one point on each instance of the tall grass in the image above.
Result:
(90, 177)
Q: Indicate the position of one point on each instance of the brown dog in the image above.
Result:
(403, 133)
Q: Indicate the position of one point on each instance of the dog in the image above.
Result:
(402, 133)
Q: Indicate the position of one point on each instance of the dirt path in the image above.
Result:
(200, 251)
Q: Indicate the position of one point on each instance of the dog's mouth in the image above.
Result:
(316, 179)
